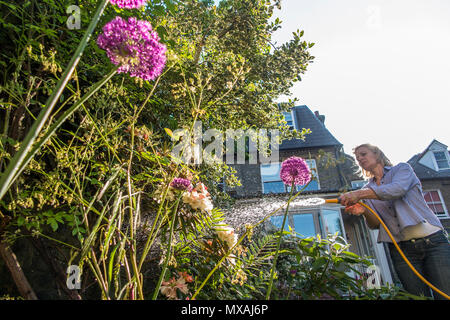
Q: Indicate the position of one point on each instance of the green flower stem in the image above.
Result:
(10, 174)
(243, 237)
(272, 272)
(149, 242)
(169, 250)
(48, 134)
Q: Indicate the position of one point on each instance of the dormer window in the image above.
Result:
(442, 160)
(289, 119)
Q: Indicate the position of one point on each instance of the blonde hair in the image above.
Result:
(381, 157)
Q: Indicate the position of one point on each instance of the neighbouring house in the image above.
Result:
(432, 167)
(334, 172)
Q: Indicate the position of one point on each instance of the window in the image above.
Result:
(289, 119)
(358, 184)
(441, 160)
(310, 222)
(270, 176)
(434, 201)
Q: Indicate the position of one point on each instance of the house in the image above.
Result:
(262, 190)
(432, 167)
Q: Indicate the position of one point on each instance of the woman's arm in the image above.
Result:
(358, 210)
(352, 197)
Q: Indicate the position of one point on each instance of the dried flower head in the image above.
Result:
(295, 169)
(227, 235)
(134, 47)
(199, 198)
(128, 4)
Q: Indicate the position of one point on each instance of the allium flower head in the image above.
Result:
(295, 169)
(128, 4)
(134, 46)
(181, 184)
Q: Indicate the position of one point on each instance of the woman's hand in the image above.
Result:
(349, 198)
(355, 209)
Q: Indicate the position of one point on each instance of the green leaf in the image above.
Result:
(169, 132)
(319, 262)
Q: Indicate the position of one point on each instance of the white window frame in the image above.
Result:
(294, 125)
(441, 202)
(318, 218)
(446, 156)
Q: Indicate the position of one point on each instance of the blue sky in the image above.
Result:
(381, 73)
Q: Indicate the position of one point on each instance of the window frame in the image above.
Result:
(447, 157)
(442, 202)
(318, 218)
(294, 125)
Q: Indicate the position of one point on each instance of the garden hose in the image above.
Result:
(397, 247)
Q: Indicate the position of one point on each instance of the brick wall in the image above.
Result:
(444, 186)
(331, 177)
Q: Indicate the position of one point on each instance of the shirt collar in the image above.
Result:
(386, 168)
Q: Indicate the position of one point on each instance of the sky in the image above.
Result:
(381, 73)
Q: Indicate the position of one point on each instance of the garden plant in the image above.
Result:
(88, 179)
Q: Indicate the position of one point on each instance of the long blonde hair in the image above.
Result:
(381, 157)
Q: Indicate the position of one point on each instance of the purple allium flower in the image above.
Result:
(295, 169)
(134, 46)
(181, 184)
(128, 4)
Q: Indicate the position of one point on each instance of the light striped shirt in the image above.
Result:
(401, 202)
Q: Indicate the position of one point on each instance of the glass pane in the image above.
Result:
(431, 206)
(278, 221)
(313, 185)
(427, 196)
(304, 225)
(332, 221)
(439, 209)
(441, 160)
(274, 187)
(287, 116)
(270, 172)
(435, 196)
(439, 156)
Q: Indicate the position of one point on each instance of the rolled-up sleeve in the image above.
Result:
(403, 179)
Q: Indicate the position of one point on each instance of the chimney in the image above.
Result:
(319, 116)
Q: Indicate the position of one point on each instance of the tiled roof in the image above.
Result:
(319, 136)
(423, 172)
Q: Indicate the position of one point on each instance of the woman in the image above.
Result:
(395, 193)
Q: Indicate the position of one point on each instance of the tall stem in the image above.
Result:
(48, 134)
(169, 251)
(8, 177)
(272, 272)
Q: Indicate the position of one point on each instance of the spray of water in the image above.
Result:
(308, 202)
(252, 211)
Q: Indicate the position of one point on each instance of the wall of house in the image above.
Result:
(331, 177)
(444, 186)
